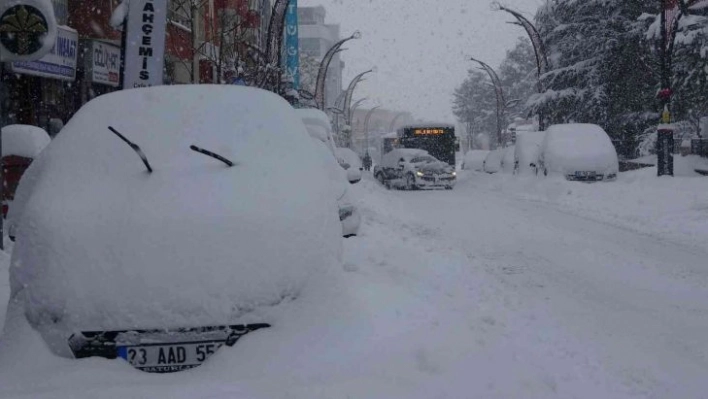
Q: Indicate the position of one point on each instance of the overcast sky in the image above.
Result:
(421, 48)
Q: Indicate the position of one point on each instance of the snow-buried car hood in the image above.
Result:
(104, 245)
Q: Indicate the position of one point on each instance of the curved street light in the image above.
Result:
(350, 92)
(501, 102)
(324, 67)
(539, 49)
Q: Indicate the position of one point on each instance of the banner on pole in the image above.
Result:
(292, 44)
(145, 44)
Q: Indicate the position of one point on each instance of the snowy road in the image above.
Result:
(627, 310)
(471, 293)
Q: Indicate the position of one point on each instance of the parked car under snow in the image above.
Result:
(527, 151)
(474, 160)
(413, 169)
(317, 124)
(167, 230)
(582, 152)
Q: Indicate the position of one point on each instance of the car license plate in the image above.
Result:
(586, 174)
(168, 358)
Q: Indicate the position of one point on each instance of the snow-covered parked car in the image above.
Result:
(21, 144)
(162, 232)
(320, 127)
(493, 161)
(577, 151)
(350, 160)
(474, 160)
(527, 152)
(317, 124)
(508, 162)
(413, 169)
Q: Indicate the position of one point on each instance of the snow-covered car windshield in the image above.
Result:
(329, 199)
(424, 159)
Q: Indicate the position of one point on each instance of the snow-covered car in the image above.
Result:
(21, 144)
(527, 152)
(493, 161)
(351, 162)
(317, 124)
(508, 162)
(413, 169)
(474, 160)
(577, 151)
(320, 127)
(162, 232)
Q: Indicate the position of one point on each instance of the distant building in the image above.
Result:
(316, 38)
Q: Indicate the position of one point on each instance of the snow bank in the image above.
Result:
(104, 245)
(669, 208)
(24, 140)
(570, 148)
(474, 160)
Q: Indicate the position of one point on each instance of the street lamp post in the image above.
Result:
(542, 65)
(324, 67)
(350, 92)
(671, 13)
(501, 102)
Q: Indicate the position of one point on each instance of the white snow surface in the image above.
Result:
(474, 160)
(24, 140)
(572, 147)
(104, 245)
(349, 156)
(506, 287)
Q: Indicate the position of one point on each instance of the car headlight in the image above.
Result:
(420, 174)
(454, 173)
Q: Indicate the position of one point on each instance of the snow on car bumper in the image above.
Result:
(435, 181)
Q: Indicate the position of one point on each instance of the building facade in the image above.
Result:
(316, 38)
(85, 61)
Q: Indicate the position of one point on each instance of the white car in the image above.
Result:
(508, 163)
(493, 161)
(317, 124)
(474, 160)
(413, 169)
(527, 151)
(162, 232)
(582, 152)
(350, 161)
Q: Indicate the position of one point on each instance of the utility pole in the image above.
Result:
(194, 7)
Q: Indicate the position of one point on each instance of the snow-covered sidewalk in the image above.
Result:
(669, 208)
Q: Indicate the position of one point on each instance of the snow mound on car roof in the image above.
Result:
(104, 245)
(23, 140)
(579, 147)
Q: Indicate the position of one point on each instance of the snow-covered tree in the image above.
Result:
(474, 104)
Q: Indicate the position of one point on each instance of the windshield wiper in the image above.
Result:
(135, 148)
(211, 154)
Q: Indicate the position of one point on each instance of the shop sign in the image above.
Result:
(27, 29)
(103, 63)
(145, 51)
(59, 63)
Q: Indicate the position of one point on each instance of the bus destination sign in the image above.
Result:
(428, 132)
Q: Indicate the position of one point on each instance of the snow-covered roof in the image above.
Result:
(103, 244)
(23, 140)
